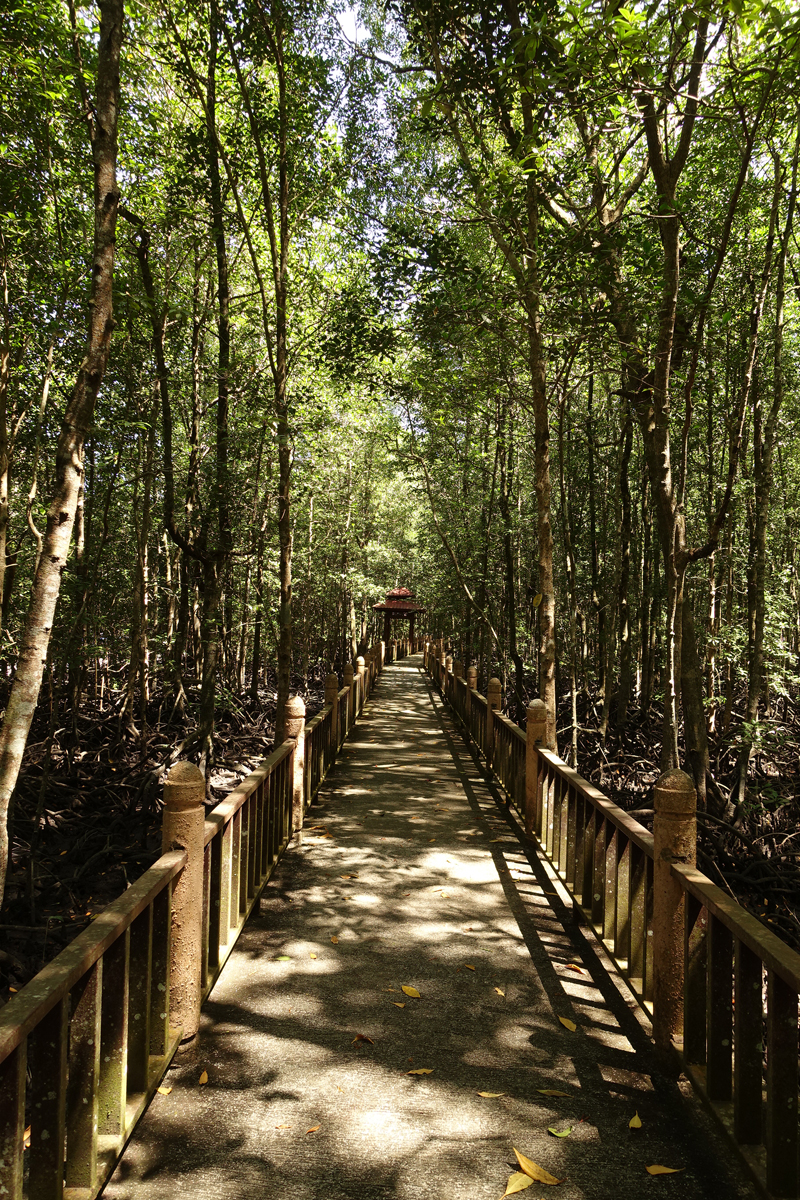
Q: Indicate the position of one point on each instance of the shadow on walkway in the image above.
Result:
(409, 874)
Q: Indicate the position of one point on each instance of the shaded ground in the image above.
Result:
(409, 875)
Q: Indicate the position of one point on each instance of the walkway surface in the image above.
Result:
(410, 875)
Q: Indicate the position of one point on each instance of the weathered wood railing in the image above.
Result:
(85, 1044)
(721, 988)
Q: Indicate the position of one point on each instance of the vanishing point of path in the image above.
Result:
(409, 874)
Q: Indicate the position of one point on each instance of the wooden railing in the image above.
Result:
(85, 1044)
(736, 1035)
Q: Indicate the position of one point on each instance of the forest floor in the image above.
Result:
(86, 814)
(754, 854)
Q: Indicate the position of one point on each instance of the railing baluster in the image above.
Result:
(48, 1096)
(695, 1001)
(12, 1121)
(781, 1131)
(647, 980)
(84, 1079)
(637, 919)
(610, 880)
(747, 1044)
(622, 930)
(586, 880)
(217, 933)
(113, 1085)
(235, 903)
(720, 1010)
(226, 879)
(159, 988)
(570, 866)
(599, 873)
(141, 951)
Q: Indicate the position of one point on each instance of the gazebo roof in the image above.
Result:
(399, 601)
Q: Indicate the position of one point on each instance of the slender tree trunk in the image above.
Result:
(102, 119)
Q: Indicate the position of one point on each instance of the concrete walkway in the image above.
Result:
(409, 874)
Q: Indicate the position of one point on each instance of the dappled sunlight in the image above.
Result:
(408, 879)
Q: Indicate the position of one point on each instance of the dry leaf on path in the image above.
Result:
(203, 1078)
(491, 1095)
(551, 1092)
(570, 1025)
(559, 1132)
(397, 1004)
(283, 1127)
(635, 1122)
(534, 1170)
(500, 991)
(421, 1071)
(313, 1129)
(517, 1183)
(165, 1091)
(312, 955)
(659, 1170)
(469, 966)
(411, 991)
(575, 967)
(362, 1037)
(335, 940)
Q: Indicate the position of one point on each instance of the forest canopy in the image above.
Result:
(302, 302)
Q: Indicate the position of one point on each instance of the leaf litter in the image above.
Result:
(534, 1170)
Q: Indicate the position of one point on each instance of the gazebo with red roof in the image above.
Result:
(399, 605)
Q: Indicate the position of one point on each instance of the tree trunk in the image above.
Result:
(102, 118)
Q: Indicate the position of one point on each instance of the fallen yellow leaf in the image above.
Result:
(165, 1091)
(283, 1127)
(491, 1095)
(570, 1025)
(559, 1132)
(335, 940)
(203, 1078)
(469, 966)
(421, 1071)
(313, 1129)
(517, 1183)
(575, 967)
(411, 991)
(534, 1170)
(635, 1122)
(658, 1170)
(312, 955)
(500, 991)
(362, 1037)
(397, 1004)
(551, 1092)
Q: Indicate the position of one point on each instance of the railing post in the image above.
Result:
(536, 734)
(382, 657)
(332, 698)
(295, 728)
(494, 700)
(182, 828)
(472, 684)
(348, 677)
(674, 840)
(361, 689)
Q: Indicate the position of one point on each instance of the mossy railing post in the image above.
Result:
(494, 701)
(361, 684)
(183, 828)
(332, 698)
(295, 728)
(674, 841)
(536, 735)
(472, 685)
(348, 677)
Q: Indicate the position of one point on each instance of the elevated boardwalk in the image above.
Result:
(409, 872)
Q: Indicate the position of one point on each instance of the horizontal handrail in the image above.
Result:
(607, 861)
(84, 1045)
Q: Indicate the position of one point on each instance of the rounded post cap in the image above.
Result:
(674, 792)
(185, 787)
(348, 672)
(332, 680)
(360, 661)
(537, 711)
(495, 685)
(295, 707)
